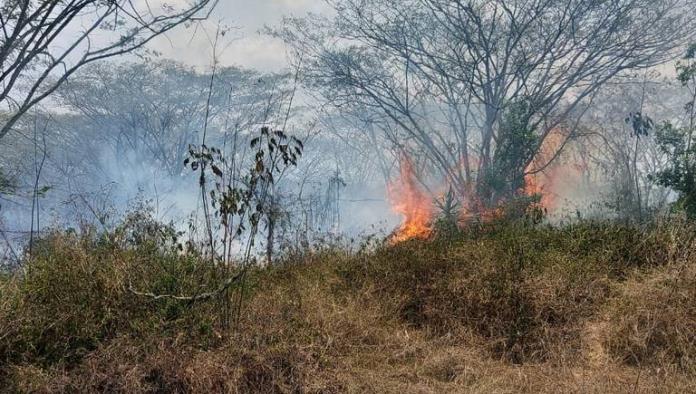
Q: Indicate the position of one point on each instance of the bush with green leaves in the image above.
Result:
(518, 143)
(676, 140)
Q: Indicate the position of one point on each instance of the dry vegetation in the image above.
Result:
(589, 307)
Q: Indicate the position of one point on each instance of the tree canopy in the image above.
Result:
(442, 77)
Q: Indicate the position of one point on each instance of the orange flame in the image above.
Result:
(547, 176)
(409, 200)
(548, 183)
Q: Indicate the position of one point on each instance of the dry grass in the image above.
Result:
(654, 319)
(588, 308)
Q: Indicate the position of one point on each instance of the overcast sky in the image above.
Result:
(246, 47)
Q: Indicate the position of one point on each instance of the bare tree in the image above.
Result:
(43, 42)
(622, 159)
(157, 109)
(475, 87)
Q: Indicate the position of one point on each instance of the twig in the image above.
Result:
(9, 245)
(199, 297)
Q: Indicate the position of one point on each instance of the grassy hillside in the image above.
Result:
(590, 307)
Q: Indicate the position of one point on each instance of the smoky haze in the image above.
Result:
(369, 89)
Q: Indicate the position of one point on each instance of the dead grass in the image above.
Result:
(653, 319)
(591, 308)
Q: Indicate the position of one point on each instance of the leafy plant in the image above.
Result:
(677, 142)
(517, 145)
(241, 204)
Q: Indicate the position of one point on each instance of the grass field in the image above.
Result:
(588, 307)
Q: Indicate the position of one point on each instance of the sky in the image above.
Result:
(244, 45)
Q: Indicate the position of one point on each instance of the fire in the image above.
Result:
(554, 179)
(409, 200)
(552, 182)
(541, 184)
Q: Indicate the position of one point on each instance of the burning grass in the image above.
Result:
(413, 204)
(539, 194)
(592, 307)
